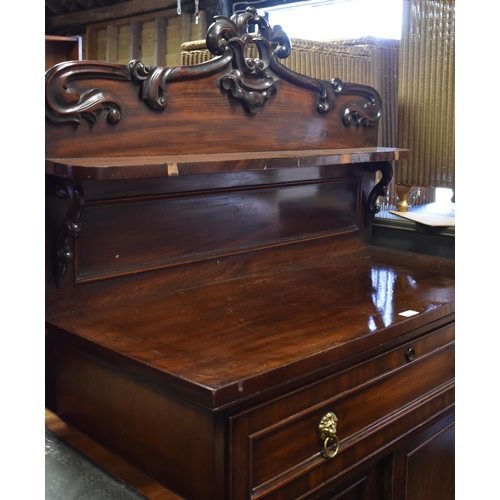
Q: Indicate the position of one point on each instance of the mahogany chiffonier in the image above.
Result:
(215, 313)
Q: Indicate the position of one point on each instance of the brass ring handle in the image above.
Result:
(331, 453)
(328, 431)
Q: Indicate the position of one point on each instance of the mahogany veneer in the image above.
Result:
(211, 292)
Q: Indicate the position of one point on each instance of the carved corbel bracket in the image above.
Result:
(380, 189)
(70, 227)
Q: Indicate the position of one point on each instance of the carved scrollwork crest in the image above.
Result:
(252, 80)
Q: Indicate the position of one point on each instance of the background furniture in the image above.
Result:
(62, 48)
(426, 103)
(395, 232)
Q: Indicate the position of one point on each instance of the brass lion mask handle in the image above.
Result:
(328, 433)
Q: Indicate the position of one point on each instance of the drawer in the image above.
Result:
(276, 451)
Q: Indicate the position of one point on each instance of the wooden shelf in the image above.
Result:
(130, 167)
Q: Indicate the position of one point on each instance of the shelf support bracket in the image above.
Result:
(70, 227)
(380, 189)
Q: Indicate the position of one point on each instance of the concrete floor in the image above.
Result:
(69, 475)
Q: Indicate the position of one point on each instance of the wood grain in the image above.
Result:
(140, 167)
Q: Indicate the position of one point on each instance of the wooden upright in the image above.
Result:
(216, 314)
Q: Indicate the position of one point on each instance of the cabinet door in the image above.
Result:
(424, 467)
(371, 484)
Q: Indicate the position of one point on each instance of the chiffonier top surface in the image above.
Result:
(225, 341)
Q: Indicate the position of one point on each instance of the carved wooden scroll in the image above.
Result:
(380, 189)
(71, 226)
(64, 103)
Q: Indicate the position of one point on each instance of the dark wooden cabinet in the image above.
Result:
(62, 48)
(215, 312)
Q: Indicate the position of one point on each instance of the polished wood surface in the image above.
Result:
(299, 319)
(331, 337)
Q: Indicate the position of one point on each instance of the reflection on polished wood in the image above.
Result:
(276, 309)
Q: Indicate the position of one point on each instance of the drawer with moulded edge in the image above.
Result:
(305, 439)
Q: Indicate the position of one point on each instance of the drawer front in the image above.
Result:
(276, 451)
